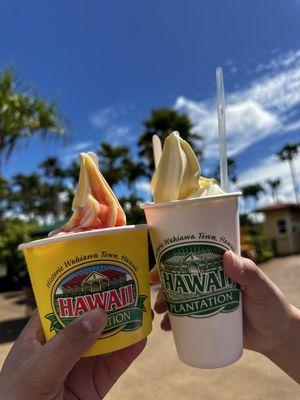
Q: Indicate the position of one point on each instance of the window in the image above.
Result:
(281, 226)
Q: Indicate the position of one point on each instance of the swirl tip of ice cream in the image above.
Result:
(94, 206)
(178, 175)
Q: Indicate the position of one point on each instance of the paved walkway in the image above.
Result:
(12, 320)
(158, 374)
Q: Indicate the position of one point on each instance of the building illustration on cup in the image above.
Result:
(194, 281)
(109, 286)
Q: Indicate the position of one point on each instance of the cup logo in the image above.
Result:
(112, 287)
(194, 282)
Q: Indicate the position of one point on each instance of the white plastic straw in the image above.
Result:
(157, 149)
(222, 130)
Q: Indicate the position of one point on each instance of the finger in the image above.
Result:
(152, 314)
(160, 304)
(165, 323)
(58, 356)
(111, 368)
(154, 275)
(28, 343)
(253, 281)
(33, 330)
(130, 353)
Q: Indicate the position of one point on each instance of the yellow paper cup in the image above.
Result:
(108, 268)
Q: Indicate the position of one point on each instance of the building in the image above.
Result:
(193, 263)
(282, 226)
(202, 262)
(93, 282)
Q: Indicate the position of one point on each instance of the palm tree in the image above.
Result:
(5, 196)
(131, 172)
(54, 184)
(274, 185)
(27, 195)
(133, 211)
(23, 113)
(52, 169)
(37, 199)
(72, 172)
(252, 191)
(232, 175)
(287, 153)
(111, 160)
(162, 122)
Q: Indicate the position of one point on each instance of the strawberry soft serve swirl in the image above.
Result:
(94, 206)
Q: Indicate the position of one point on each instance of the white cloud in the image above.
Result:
(63, 196)
(253, 113)
(293, 126)
(112, 121)
(102, 118)
(247, 123)
(79, 146)
(117, 135)
(144, 189)
(71, 152)
(272, 168)
(281, 61)
(122, 130)
(144, 186)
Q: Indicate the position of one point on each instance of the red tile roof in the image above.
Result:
(279, 206)
(113, 274)
(76, 281)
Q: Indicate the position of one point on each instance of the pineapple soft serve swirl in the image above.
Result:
(178, 175)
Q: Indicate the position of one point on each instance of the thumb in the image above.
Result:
(58, 356)
(154, 275)
(254, 283)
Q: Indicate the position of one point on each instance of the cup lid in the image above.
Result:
(77, 235)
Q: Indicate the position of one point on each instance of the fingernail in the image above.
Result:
(94, 320)
(152, 276)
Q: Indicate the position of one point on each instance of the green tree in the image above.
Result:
(27, 195)
(288, 153)
(5, 197)
(23, 113)
(162, 122)
(274, 185)
(72, 175)
(253, 192)
(52, 169)
(13, 231)
(72, 172)
(111, 160)
(132, 171)
(232, 175)
(54, 185)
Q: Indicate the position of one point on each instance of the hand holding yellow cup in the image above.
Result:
(105, 268)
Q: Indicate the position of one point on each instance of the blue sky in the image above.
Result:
(107, 64)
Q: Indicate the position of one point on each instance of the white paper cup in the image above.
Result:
(189, 238)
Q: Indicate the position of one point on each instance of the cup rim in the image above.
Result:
(78, 235)
(194, 200)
